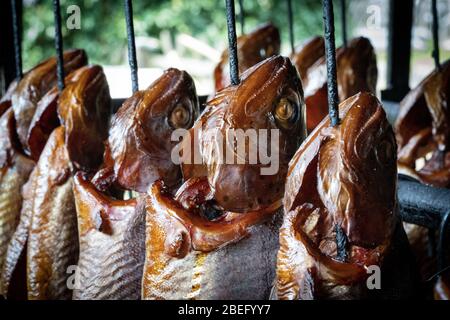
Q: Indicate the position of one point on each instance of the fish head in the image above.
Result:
(84, 108)
(140, 138)
(262, 116)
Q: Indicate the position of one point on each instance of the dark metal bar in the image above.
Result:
(330, 50)
(131, 45)
(7, 59)
(435, 53)
(291, 25)
(232, 42)
(242, 16)
(58, 45)
(17, 40)
(344, 22)
(420, 204)
(399, 50)
(342, 244)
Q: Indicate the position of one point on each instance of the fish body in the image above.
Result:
(341, 188)
(112, 237)
(47, 231)
(216, 237)
(423, 129)
(52, 243)
(307, 54)
(15, 169)
(138, 152)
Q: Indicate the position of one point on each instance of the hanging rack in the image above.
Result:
(333, 100)
(131, 45)
(232, 42)
(58, 45)
(330, 51)
(17, 40)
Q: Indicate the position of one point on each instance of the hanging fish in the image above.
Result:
(112, 231)
(423, 130)
(341, 222)
(33, 86)
(48, 225)
(216, 238)
(307, 54)
(32, 93)
(356, 72)
(252, 48)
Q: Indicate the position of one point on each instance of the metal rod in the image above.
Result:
(241, 16)
(291, 25)
(330, 50)
(344, 22)
(131, 45)
(232, 42)
(17, 40)
(58, 45)
(435, 28)
(342, 244)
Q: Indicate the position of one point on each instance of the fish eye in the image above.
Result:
(180, 117)
(286, 113)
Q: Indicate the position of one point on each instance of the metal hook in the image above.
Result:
(131, 45)
(232, 42)
(17, 40)
(330, 50)
(58, 45)
(435, 30)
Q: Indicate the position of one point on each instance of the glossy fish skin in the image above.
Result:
(198, 244)
(188, 257)
(307, 54)
(5, 101)
(14, 171)
(423, 128)
(84, 109)
(261, 43)
(33, 86)
(344, 176)
(139, 145)
(45, 119)
(112, 238)
(138, 152)
(356, 72)
(52, 245)
(249, 106)
(48, 220)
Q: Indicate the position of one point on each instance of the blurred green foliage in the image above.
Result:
(103, 31)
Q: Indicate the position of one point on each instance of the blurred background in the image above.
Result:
(191, 34)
